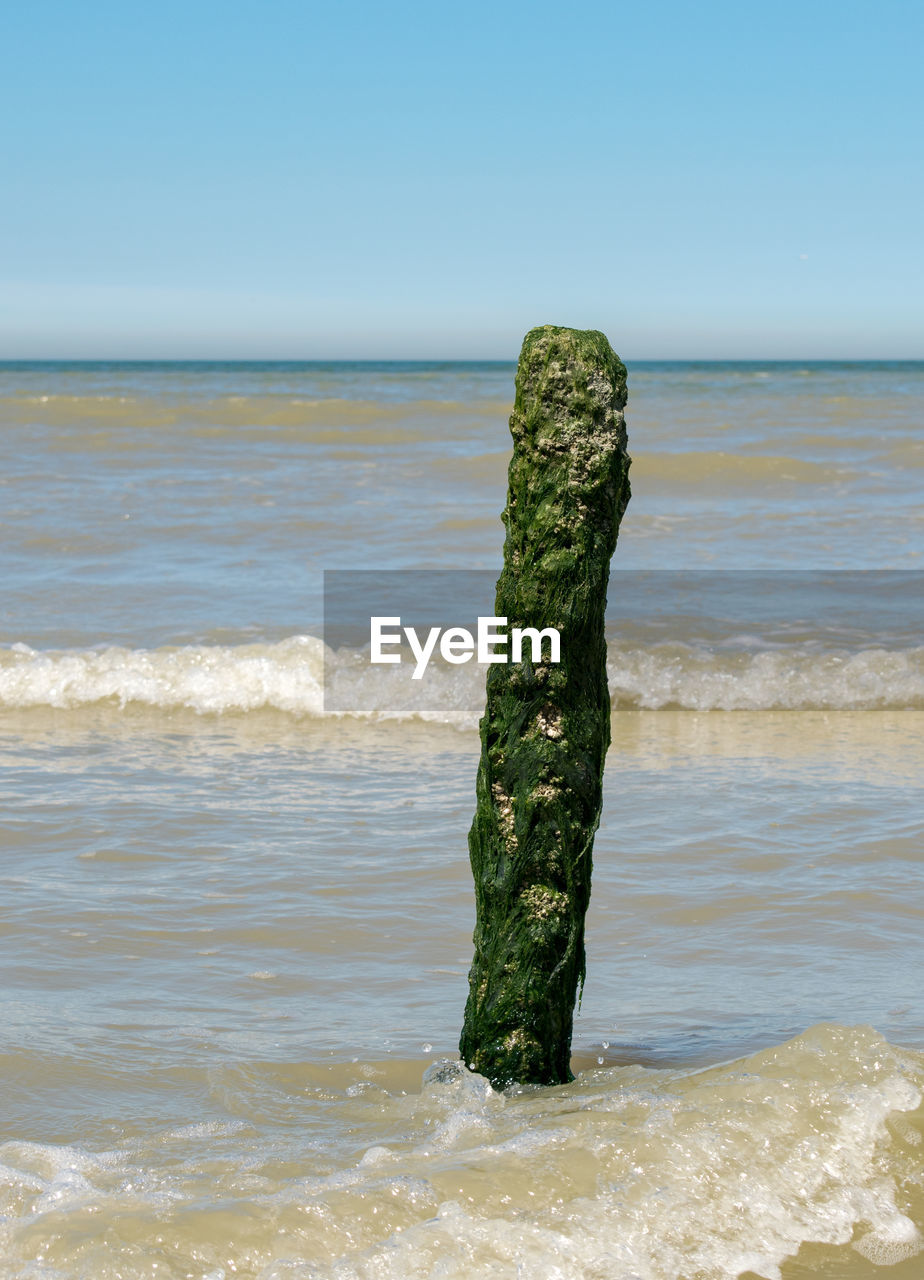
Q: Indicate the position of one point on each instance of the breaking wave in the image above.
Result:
(626, 1174)
(300, 677)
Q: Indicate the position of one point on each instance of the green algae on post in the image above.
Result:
(546, 727)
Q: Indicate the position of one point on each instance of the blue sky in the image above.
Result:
(297, 180)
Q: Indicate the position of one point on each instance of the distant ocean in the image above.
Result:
(236, 924)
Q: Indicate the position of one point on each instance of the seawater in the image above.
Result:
(236, 928)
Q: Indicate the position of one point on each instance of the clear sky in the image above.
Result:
(300, 180)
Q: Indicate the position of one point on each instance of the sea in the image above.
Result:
(237, 911)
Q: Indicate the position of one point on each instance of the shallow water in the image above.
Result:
(237, 927)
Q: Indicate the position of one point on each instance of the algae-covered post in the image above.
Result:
(546, 726)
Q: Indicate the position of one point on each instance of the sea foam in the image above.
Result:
(290, 676)
(210, 679)
(626, 1174)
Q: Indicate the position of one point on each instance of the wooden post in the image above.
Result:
(546, 727)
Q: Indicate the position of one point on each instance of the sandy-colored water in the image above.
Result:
(236, 926)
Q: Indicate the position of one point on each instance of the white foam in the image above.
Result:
(289, 676)
(712, 1174)
(791, 679)
(626, 1174)
(206, 678)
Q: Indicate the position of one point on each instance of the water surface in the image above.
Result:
(236, 927)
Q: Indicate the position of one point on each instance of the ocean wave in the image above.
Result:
(627, 1173)
(782, 679)
(300, 677)
(210, 679)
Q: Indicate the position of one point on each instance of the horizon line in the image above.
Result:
(439, 360)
